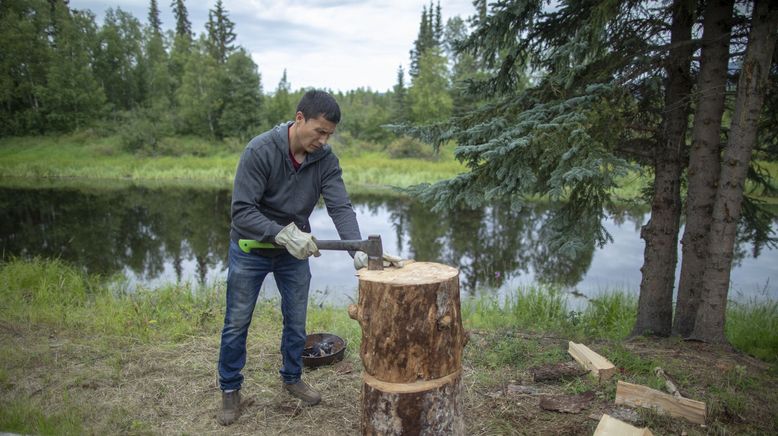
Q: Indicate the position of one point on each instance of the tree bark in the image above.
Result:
(655, 304)
(751, 89)
(412, 341)
(704, 161)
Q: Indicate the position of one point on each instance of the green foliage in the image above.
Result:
(72, 95)
(142, 131)
(428, 96)
(241, 114)
(221, 33)
(25, 59)
(363, 114)
(200, 98)
(119, 61)
(405, 147)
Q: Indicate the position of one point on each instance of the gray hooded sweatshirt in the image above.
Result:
(268, 193)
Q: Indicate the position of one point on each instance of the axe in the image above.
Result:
(372, 246)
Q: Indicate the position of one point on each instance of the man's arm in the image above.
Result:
(337, 201)
(250, 182)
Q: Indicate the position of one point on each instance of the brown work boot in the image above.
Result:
(230, 408)
(304, 392)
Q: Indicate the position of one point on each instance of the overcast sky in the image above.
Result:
(336, 44)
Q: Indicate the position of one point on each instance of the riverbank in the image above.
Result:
(77, 359)
(82, 159)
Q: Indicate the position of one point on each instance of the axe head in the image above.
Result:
(375, 252)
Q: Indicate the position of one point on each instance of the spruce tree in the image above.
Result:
(183, 26)
(399, 98)
(182, 42)
(221, 33)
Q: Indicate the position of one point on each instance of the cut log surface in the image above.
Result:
(411, 322)
(600, 367)
(643, 396)
(610, 426)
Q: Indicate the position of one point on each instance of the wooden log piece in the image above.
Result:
(610, 426)
(411, 322)
(421, 408)
(412, 340)
(643, 396)
(601, 368)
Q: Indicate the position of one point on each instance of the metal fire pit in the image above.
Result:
(323, 349)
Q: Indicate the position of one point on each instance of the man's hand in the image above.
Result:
(299, 244)
(360, 260)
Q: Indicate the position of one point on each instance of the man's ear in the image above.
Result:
(299, 117)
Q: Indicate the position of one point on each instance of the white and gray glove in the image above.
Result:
(299, 244)
(360, 260)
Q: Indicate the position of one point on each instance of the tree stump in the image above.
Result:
(412, 341)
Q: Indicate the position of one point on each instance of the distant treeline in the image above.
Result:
(62, 71)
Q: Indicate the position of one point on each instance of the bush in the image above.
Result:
(141, 131)
(406, 147)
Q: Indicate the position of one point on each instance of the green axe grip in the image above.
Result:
(247, 244)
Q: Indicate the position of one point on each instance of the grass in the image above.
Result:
(88, 157)
(78, 358)
(84, 156)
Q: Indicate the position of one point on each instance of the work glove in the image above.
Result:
(360, 260)
(299, 244)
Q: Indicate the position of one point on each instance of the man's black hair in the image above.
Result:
(315, 103)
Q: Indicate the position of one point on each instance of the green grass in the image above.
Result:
(753, 327)
(89, 157)
(117, 337)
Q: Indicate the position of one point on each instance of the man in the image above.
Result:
(279, 179)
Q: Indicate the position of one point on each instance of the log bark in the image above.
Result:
(704, 161)
(751, 89)
(421, 408)
(412, 341)
(655, 303)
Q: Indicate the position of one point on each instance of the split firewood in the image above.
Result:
(643, 396)
(601, 368)
(610, 426)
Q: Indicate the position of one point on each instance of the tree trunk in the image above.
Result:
(704, 162)
(751, 88)
(412, 340)
(655, 304)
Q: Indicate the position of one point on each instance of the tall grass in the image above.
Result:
(753, 327)
(53, 293)
(610, 315)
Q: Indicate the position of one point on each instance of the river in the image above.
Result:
(152, 237)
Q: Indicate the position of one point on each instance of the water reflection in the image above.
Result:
(156, 236)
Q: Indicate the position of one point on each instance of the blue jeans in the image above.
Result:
(246, 272)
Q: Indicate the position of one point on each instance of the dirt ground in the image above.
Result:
(120, 386)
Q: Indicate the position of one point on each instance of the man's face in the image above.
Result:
(313, 133)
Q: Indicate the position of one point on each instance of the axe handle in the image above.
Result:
(345, 245)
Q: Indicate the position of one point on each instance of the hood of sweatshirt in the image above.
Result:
(281, 141)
